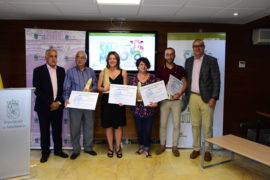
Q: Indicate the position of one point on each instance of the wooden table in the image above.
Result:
(241, 146)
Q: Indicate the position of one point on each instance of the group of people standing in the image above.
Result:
(201, 83)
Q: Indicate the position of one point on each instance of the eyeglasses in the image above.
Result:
(80, 57)
(198, 46)
(167, 54)
(51, 56)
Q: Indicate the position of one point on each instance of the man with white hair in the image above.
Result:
(80, 78)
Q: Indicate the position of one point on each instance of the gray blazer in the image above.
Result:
(209, 82)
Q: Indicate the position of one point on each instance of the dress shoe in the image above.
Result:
(61, 154)
(175, 152)
(160, 150)
(207, 156)
(93, 153)
(194, 154)
(44, 158)
(74, 156)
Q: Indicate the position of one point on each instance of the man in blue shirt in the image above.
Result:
(76, 79)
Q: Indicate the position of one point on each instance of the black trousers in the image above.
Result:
(53, 118)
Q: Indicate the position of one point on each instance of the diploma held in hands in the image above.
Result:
(122, 94)
(174, 85)
(154, 93)
(83, 100)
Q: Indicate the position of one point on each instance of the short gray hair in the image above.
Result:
(49, 50)
(81, 52)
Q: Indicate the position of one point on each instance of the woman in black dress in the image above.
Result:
(113, 116)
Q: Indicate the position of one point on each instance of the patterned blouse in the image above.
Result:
(140, 110)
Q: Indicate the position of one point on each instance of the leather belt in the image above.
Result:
(195, 93)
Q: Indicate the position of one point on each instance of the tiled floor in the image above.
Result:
(138, 167)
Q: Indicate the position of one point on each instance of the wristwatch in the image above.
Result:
(59, 102)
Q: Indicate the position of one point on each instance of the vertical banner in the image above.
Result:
(37, 41)
(214, 46)
(15, 110)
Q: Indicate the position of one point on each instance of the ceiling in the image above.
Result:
(207, 11)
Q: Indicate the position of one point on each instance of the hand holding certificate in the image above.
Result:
(122, 94)
(153, 93)
(83, 100)
(174, 85)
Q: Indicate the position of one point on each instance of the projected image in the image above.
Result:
(130, 47)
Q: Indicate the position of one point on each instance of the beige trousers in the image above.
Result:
(202, 118)
(166, 107)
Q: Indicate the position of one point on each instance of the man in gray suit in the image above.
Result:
(203, 78)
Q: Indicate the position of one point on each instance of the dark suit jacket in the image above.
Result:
(209, 82)
(44, 91)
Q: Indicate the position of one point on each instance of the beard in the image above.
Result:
(169, 61)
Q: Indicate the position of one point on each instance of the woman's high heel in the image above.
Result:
(110, 153)
(139, 151)
(147, 154)
(119, 153)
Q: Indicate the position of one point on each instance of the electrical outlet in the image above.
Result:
(242, 64)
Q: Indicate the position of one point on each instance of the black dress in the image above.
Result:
(112, 115)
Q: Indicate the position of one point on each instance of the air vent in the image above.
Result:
(261, 36)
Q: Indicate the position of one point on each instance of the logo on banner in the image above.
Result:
(36, 57)
(55, 47)
(38, 36)
(70, 37)
(13, 109)
(67, 58)
(188, 53)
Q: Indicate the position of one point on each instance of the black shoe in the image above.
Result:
(139, 151)
(93, 153)
(74, 156)
(119, 153)
(147, 154)
(44, 158)
(110, 153)
(61, 154)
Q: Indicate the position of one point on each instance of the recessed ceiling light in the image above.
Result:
(236, 14)
(119, 2)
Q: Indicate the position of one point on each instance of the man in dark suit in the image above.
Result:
(203, 78)
(48, 80)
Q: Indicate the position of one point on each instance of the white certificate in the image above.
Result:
(154, 93)
(122, 94)
(83, 100)
(174, 85)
